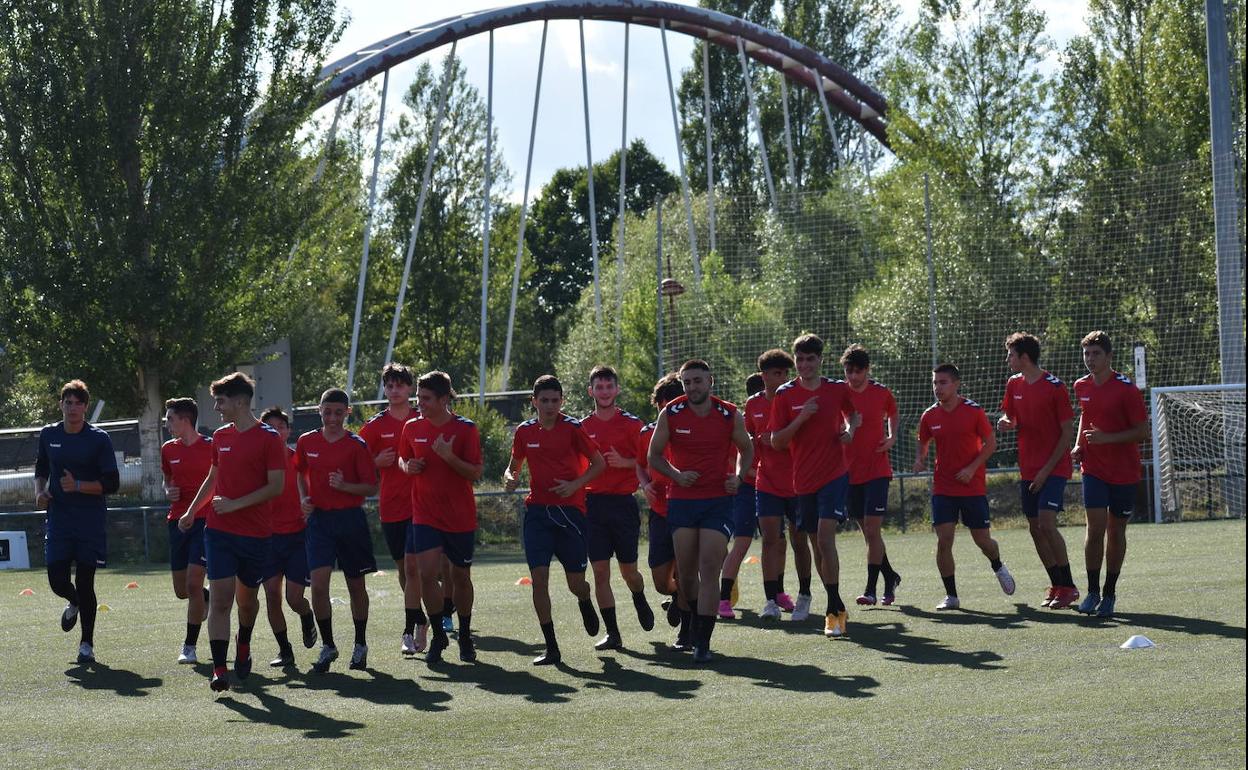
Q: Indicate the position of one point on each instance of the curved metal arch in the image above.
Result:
(795, 61)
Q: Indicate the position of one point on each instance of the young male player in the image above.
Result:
(964, 442)
(248, 471)
(870, 471)
(777, 503)
(1037, 405)
(612, 516)
(744, 516)
(814, 418)
(700, 432)
(394, 503)
(288, 553)
(336, 473)
(184, 461)
(80, 457)
(562, 460)
(661, 552)
(1112, 423)
(441, 452)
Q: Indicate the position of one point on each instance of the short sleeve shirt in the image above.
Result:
(562, 452)
(876, 405)
(287, 514)
(185, 467)
(243, 460)
(1038, 409)
(661, 482)
(959, 436)
(1114, 406)
(816, 448)
(773, 468)
(702, 444)
(317, 457)
(441, 498)
(394, 500)
(622, 432)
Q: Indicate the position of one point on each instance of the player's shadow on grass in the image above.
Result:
(964, 617)
(379, 688)
(503, 644)
(615, 677)
(1172, 623)
(501, 681)
(98, 676)
(772, 674)
(892, 640)
(751, 619)
(277, 712)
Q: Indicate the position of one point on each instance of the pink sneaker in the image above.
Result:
(866, 600)
(785, 602)
(725, 610)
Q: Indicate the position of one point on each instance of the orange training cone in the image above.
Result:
(27, 592)
(751, 560)
(525, 581)
(132, 584)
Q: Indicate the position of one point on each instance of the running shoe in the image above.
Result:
(408, 645)
(242, 660)
(609, 642)
(831, 624)
(1103, 610)
(86, 653)
(448, 623)
(771, 610)
(702, 655)
(842, 625)
(421, 640)
(328, 655)
(725, 610)
(949, 603)
(673, 612)
(188, 654)
(434, 655)
(359, 657)
(785, 601)
(220, 681)
(890, 590)
(69, 618)
(866, 600)
(1066, 596)
(1088, 606)
(1006, 580)
(309, 636)
(735, 596)
(549, 658)
(467, 650)
(284, 658)
(801, 610)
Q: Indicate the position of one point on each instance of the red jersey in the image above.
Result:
(702, 444)
(394, 501)
(441, 498)
(816, 449)
(562, 452)
(243, 460)
(287, 515)
(622, 432)
(661, 482)
(773, 468)
(317, 457)
(1112, 407)
(1038, 409)
(959, 435)
(186, 467)
(876, 405)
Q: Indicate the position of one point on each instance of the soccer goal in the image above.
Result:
(1198, 452)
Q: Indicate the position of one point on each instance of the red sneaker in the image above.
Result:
(1066, 596)
(1049, 596)
(220, 679)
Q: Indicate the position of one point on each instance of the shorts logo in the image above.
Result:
(881, 509)
(1053, 504)
(684, 431)
(55, 446)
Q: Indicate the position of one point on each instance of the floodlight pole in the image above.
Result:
(368, 233)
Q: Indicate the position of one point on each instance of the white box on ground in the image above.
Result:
(14, 553)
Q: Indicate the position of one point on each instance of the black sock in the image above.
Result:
(803, 585)
(413, 618)
(1068, 580)
(770, 589)
(192, 633)
(706, 627)
(589, 616)
(435, 623)
(780, 583)
(283, 642)
(951, 586)
(873, 577)
(448, 607)
(1111, 584)
(995, 564)
(686, 622)
(220, 651)
(88, 603)
(306, 621)
(326, 625)
(205, 596)
(244, 634)
(887, 571)
(1055, 575)
(465, 627)
(608, 619)
(725, 588)
(548, 631)
(1094, 581)
(835, 605)
(361, 630)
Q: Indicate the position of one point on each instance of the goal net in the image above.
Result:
(1198, 451)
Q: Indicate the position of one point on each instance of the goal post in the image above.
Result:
(1198, 451)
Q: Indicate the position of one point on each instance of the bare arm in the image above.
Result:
(1133, 435)
(745, 454)
(205, 493)
(511, 476)
(920, 458)
(1061, 448)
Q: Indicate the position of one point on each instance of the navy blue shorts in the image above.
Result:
(973, 510)
(775, 505)
(662, 550)
(187, 547)
(340, 536)
(614, 526)
(869, 498)
(1048, 498)
(457, 546)
(1118, 498)
(236, 556)
(81, 547)
(713, 513)
(827, 503)
(556, 531)
(745, 512)
(288, 557)
(395, 533)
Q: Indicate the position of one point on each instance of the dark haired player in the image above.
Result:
(248, 471)
(661, 552)
(611, 513)
(964, 442)
(80, 457)
(184, 462)
(814, 418)
(562, 460)
(698, 432)
(869, 468)
(441, 451)
(1112, 423)
(744, 517)
(1037, 405)
(288, 553)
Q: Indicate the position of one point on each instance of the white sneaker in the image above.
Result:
(188, 654)
(422, 637)
(86, 654)
(801, 607)
(1006, 580)
(409, 645)
(771, 610)
(949, 603)
(359, 657)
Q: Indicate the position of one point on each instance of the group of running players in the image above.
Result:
(802, 454)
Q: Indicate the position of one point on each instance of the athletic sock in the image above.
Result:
(439, 633)
(306, 621)
(706, 627)
(725, 588)
(886, 569)
(548, 631)
(1068, 580)
(770, 589)
(205, 596)
(448, 606)
(244, 634)
(361, 630)
(1094, 581)
(465, 627)
(588, 616)
(686, 623)
(873, 577)
(283, 643)
(220, 652)
(608, 619)
(835, 605)
(326, 625)
(1055, 575)
(780, 583)
(951, 586)
(192, 633)
(803, 585)
(1111, 584)
(995, 564)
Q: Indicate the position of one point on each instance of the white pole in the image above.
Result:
(589, 169)
(524, 210)
(788, 136)
(710, 156)
(1157, 426)
(619, 245)
(324, 159)
(368, 232)
(680, 157)
(485, 226)
(758, 125)
(827, 113)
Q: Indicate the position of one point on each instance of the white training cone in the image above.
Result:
(337, 600)
(1137, 642)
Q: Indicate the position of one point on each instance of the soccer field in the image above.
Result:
(1002, 683)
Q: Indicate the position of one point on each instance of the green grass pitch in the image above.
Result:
(1002, 683)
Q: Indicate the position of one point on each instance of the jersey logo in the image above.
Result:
(311, 454)
(387, 435)
(174, 462)
(534, 446)
(55, 446)
(1018, 397)
(759, 416)
(684, 431)
(937, 427)
(422, 441)
(225, 449)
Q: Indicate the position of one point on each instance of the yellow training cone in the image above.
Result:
(132, 584)
(27, 592)
(103, 608)
(525, 581)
